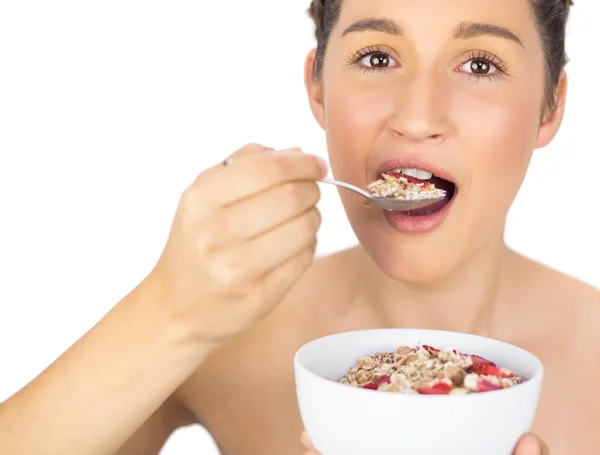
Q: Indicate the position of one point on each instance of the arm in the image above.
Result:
(152, 435)
(230, 258)
(100, 391)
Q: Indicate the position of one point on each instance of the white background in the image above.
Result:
(109, 109)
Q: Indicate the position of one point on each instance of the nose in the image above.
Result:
(421, 109)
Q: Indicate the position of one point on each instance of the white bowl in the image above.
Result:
(345, 420)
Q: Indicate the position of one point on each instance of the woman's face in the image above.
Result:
(452, 87)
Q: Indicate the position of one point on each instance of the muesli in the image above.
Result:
(429, 371)
(400, 186)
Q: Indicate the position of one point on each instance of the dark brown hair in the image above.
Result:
(551, 16)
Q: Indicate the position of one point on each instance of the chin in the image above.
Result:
(418, 258)
(409, 263)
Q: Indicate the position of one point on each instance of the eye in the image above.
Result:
(378, 60)
(373, 59)
(483, 65)
(480, 67)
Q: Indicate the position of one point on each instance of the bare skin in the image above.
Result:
(244, 392)
(219, 274)
(210, 335)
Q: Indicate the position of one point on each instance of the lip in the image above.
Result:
(405, 162)
(419, 224)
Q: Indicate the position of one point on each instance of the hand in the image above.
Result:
(243, 234)
(528, 445)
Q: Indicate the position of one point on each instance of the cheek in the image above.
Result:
(497, 137)
(354, 118)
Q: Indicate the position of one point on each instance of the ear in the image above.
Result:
(552, 118)
(314, 89)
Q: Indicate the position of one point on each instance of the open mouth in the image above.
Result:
(413, 183)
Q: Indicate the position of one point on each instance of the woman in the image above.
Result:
(465, 90)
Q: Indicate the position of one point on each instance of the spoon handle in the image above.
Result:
(347, 186)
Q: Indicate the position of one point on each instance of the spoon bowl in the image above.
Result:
(386, 203)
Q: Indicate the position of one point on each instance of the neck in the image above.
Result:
(463, 301)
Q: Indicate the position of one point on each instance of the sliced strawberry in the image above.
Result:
(481, 361)
(490, 370)
(384, 380)
(396, 175)
(487, 386)
(409, 178)
(375, 385)
(441, 388)
(430, 348)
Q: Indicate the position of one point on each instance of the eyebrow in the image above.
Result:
(465, 30)
(376, 25)
(468, 30)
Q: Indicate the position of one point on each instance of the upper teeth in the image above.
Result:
(416, 173)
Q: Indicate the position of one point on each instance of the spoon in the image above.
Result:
(386, 203)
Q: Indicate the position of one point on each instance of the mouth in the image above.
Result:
(424, 174)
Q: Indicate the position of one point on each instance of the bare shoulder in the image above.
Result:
(563, 316)
(560, 312)
(557, 292)
(571, 306)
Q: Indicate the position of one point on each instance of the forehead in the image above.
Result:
(431, 18)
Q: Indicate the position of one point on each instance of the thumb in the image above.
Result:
(530, 444)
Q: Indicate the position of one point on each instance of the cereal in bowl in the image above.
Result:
(429, 371)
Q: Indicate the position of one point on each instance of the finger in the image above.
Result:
(246, 150)
(197, 197)
(252, 150)
(276, 284)
(530, 444)
(260, 214)
(256, 173)
(305, 439)
(257, 257)
(268, 251)
(242, 154)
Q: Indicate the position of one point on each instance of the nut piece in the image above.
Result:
(404, 350)
(366, 363)
(459, 391)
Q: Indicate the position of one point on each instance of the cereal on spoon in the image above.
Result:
(401, 186)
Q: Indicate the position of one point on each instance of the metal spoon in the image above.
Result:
(386, 203)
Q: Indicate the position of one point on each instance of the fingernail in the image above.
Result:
(324, 166)
(306, 442)
(530, 444)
